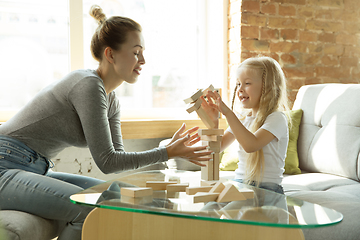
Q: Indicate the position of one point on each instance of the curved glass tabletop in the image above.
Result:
(265, 208)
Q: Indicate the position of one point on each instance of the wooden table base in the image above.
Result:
(106, 224)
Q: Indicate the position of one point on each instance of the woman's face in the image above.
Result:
(249, 82)
(129, 58)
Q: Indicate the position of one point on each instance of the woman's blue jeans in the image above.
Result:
(27, 184)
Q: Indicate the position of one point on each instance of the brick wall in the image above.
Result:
(315, 41)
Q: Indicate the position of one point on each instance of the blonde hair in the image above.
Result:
(111, 32)
(273, 98)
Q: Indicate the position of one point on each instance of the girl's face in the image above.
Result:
(249, 82)
(129, 58)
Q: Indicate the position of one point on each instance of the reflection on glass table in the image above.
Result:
(265, 208)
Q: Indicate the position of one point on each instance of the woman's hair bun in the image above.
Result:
(111, 32)
(97, 13)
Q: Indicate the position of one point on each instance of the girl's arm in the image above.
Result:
(226, 141)
(213, 113)
(250, 142)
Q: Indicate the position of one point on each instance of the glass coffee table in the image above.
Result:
(169, 214)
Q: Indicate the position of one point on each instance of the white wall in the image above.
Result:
(79, 160)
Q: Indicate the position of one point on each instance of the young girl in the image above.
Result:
(262, 127)
(79, 110)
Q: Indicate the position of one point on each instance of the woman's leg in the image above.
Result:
(78, 180)
(45, 197)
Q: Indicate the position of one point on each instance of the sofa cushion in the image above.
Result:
(16, 225)
(331, 191)
(292, 159)
(230, 158)
(348, 228)
(317, 182)
(329, 138)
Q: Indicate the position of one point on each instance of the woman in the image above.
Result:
(79, 110)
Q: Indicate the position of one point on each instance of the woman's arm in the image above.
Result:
(103, 136)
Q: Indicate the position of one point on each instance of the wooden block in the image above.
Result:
(179, 187)
(216, 162)
(213, 146)
(217, 188)
(136, 192)
(159, 194)
(211, 138)
(194, 106)
(193, 190)
(194, 97)
(207, 183)
(248, 193)
(159, 185)
(172, 194)
(210, 88)
(213, 131)
(207, 173)
(137, 200)
(205, 197)
(230, 193)
(211, 173)
(205, 118)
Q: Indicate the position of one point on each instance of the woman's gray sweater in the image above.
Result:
(76, 111)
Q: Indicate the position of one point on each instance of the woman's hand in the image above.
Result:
(181, 145)
(194, 138)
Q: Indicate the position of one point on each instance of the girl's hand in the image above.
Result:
(213, 113)
(217, 103)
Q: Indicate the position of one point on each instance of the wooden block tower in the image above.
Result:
(210, 137)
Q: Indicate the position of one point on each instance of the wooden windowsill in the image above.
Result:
(144, 129)
(151, 128)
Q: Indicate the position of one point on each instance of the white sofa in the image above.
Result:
(329, 150)
(15, 225)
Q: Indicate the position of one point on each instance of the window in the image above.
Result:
(33, 49)
(185, 42)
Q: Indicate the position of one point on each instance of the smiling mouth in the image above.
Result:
(243, 99)
(137, 71)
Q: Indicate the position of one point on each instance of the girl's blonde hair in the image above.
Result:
(273, 98)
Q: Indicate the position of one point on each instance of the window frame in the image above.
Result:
(133, 121)
(77, 61)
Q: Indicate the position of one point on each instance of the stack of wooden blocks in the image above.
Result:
(210, 137)
(219, 192)
(209, 191)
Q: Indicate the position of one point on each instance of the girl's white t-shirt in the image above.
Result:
(274, 152)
